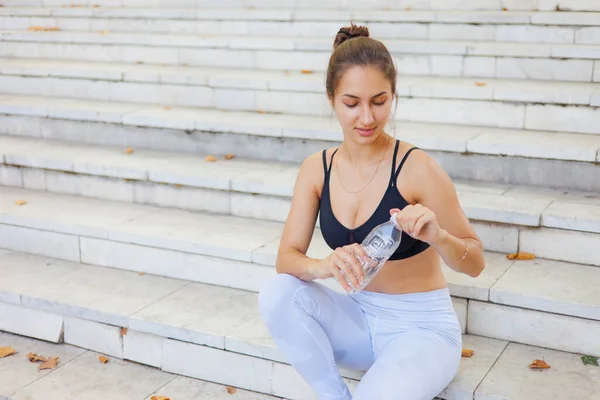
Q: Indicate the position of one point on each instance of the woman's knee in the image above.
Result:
(395, 387)
(405, 372)
(276, 291)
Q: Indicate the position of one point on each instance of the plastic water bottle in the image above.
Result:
(379, 245)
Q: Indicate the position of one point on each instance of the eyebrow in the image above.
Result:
(354, 97)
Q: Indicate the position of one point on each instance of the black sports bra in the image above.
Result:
(337, 235)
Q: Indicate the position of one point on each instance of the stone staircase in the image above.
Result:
(80, 375)
(505, 94)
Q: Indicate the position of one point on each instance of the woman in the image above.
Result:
(402, 328)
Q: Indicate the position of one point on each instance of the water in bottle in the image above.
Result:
(379, 245)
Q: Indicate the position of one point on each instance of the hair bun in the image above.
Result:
(350, 32)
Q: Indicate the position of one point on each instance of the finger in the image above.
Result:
(414, 220)
(420, 223)
(356, 250)
(404, 217)
(415, 214)
(350, 255)
(357, 255)
(338, 275)
(344, 263)
(360, 251)
(394, 211)
(346, 274)
(351, 269)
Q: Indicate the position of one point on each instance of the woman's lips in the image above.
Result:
(365, 132)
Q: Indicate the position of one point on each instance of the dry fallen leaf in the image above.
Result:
(408, 8)
(229, 156)
(37, 28)
(166, 108)
(20, 202)
(231, 390)
(129, 151)
(261, 112)
(307, 71)
(141, 273)
(123, 331)
(521, 256)
(525, 256)
(210, 159)
(480, 84)
(159, 398)
(467, 353)
(6, 351)
(33, 357)
(49, 364)
(539, 364)
(104, 32)
(139, 62)
(504, 9)
(103, 359)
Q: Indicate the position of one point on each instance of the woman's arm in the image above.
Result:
(438, 218)
(300, 224)
(299, 229)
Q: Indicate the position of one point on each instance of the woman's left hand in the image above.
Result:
(419, 222)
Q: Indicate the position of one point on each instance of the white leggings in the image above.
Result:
(409, 344)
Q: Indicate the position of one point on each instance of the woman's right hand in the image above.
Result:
(348, 259)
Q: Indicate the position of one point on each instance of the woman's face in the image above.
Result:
(362, 103)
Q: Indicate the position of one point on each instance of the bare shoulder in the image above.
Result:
(312, 171)
(421, 163)
(420, 173)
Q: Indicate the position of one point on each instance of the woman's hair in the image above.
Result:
(353, 47)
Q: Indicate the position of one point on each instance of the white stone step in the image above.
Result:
(225, 186)
(308, 44)
(533, 384)
(505, 17)
(414, 57)
(541, 158)
(499, 27)
(283, 14)
(79, 375)
(172, 324)
(567, 93)
(114, 234)
(496, 103)
(386, 5)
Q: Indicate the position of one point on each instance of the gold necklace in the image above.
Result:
(373, 177)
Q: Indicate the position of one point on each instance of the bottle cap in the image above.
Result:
(394, 220)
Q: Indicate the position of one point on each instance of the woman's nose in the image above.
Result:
(366, 115)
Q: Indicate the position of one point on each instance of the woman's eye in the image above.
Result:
(375, 103)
